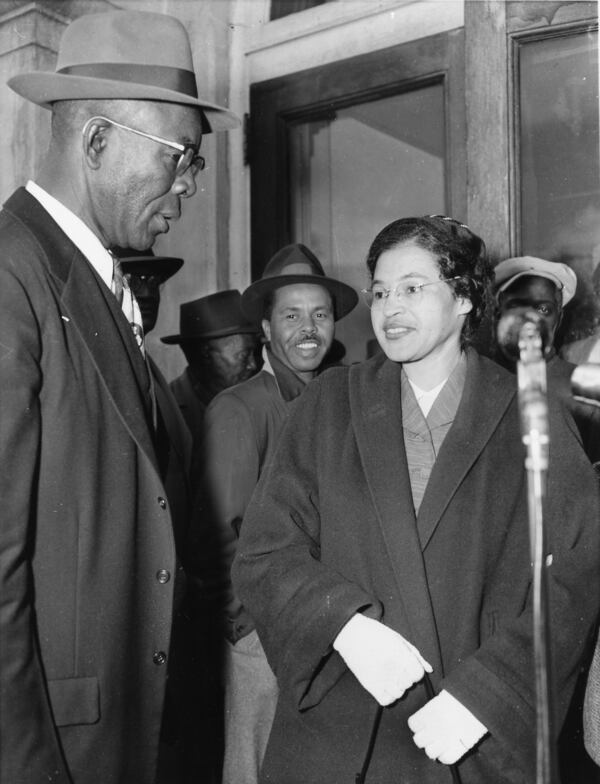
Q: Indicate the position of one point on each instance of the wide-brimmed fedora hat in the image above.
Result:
(137, 55)
(510, 270)
(296, 264)
(214, 316)
(160, 266)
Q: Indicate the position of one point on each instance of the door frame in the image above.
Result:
(315, 92)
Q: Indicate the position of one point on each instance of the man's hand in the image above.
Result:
(445, 729)
(381, 659)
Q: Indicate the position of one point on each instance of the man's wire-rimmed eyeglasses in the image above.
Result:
(188, 157)
(377, 295)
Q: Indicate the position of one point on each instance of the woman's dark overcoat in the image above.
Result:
(331, 531)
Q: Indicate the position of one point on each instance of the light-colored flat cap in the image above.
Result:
(509, 270)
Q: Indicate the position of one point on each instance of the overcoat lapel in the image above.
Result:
(486, 397)
(377, 421)
(97, 320)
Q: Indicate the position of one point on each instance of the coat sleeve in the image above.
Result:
(28, 737)
(299, 604)
(226, 469)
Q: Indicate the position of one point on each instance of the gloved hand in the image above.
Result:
(445, 729)
(384, 663)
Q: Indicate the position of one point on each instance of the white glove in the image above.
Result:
(445, 728)
(384, 663)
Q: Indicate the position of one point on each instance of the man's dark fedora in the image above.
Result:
(214, 316)
(134, 262)
(136, 55)
(296, 264)
(160, 266)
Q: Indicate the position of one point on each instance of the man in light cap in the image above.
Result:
(546, 287)
(298, 306)
(88, 567)
(543, 286)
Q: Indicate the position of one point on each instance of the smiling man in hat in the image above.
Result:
(220, 345)
(298, 306)
(88, 566)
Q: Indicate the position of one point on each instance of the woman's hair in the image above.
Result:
(459, 252)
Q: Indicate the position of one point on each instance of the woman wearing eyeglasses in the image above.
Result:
(385, 556)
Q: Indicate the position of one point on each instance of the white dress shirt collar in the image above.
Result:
(76, 230)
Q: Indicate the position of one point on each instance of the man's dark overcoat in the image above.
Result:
(331, 531)
(87, 555)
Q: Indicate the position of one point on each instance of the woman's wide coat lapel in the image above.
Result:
(377, 421)
(486, 396)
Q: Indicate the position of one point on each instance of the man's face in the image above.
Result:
(228, 360)
(301, 327)
(539, 294)
(147, 293)
(136, 193)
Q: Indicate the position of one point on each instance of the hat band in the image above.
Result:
(165, 76)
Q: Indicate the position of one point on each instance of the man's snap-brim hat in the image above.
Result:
(296, 264)
(214, 316)
(137, 55)
(160, 266)
(509, 270)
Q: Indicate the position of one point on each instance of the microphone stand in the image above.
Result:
(533, 407)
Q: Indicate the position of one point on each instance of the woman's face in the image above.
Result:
(415, 323)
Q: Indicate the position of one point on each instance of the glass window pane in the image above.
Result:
(353, 172)
(281, 8)
(559, 162)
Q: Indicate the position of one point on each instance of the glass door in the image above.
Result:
(559, 162)
(353, 172)
(340, 151)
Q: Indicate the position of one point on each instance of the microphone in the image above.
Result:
(517, 323)
(585, 383)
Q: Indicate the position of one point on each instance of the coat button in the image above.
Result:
(163, 576)
(159, 657)
(161, 502)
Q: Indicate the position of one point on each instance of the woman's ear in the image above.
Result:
(464, 306)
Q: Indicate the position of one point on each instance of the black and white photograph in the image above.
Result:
(299, 392)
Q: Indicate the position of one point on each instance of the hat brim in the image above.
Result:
(344, 297)
(246, 329)
(165, 266)
(45, 87)
(564, 284)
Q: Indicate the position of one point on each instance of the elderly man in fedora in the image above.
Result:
(298, 306)
(88, 565)
(220, 345)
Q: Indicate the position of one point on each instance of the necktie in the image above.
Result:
(127, 301)
(118, 282)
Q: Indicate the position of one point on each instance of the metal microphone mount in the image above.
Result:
(533, 407)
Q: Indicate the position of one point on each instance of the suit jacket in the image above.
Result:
(87, 555)
(175, 452)
(331, 531)
(240, 431)
(190, 404)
